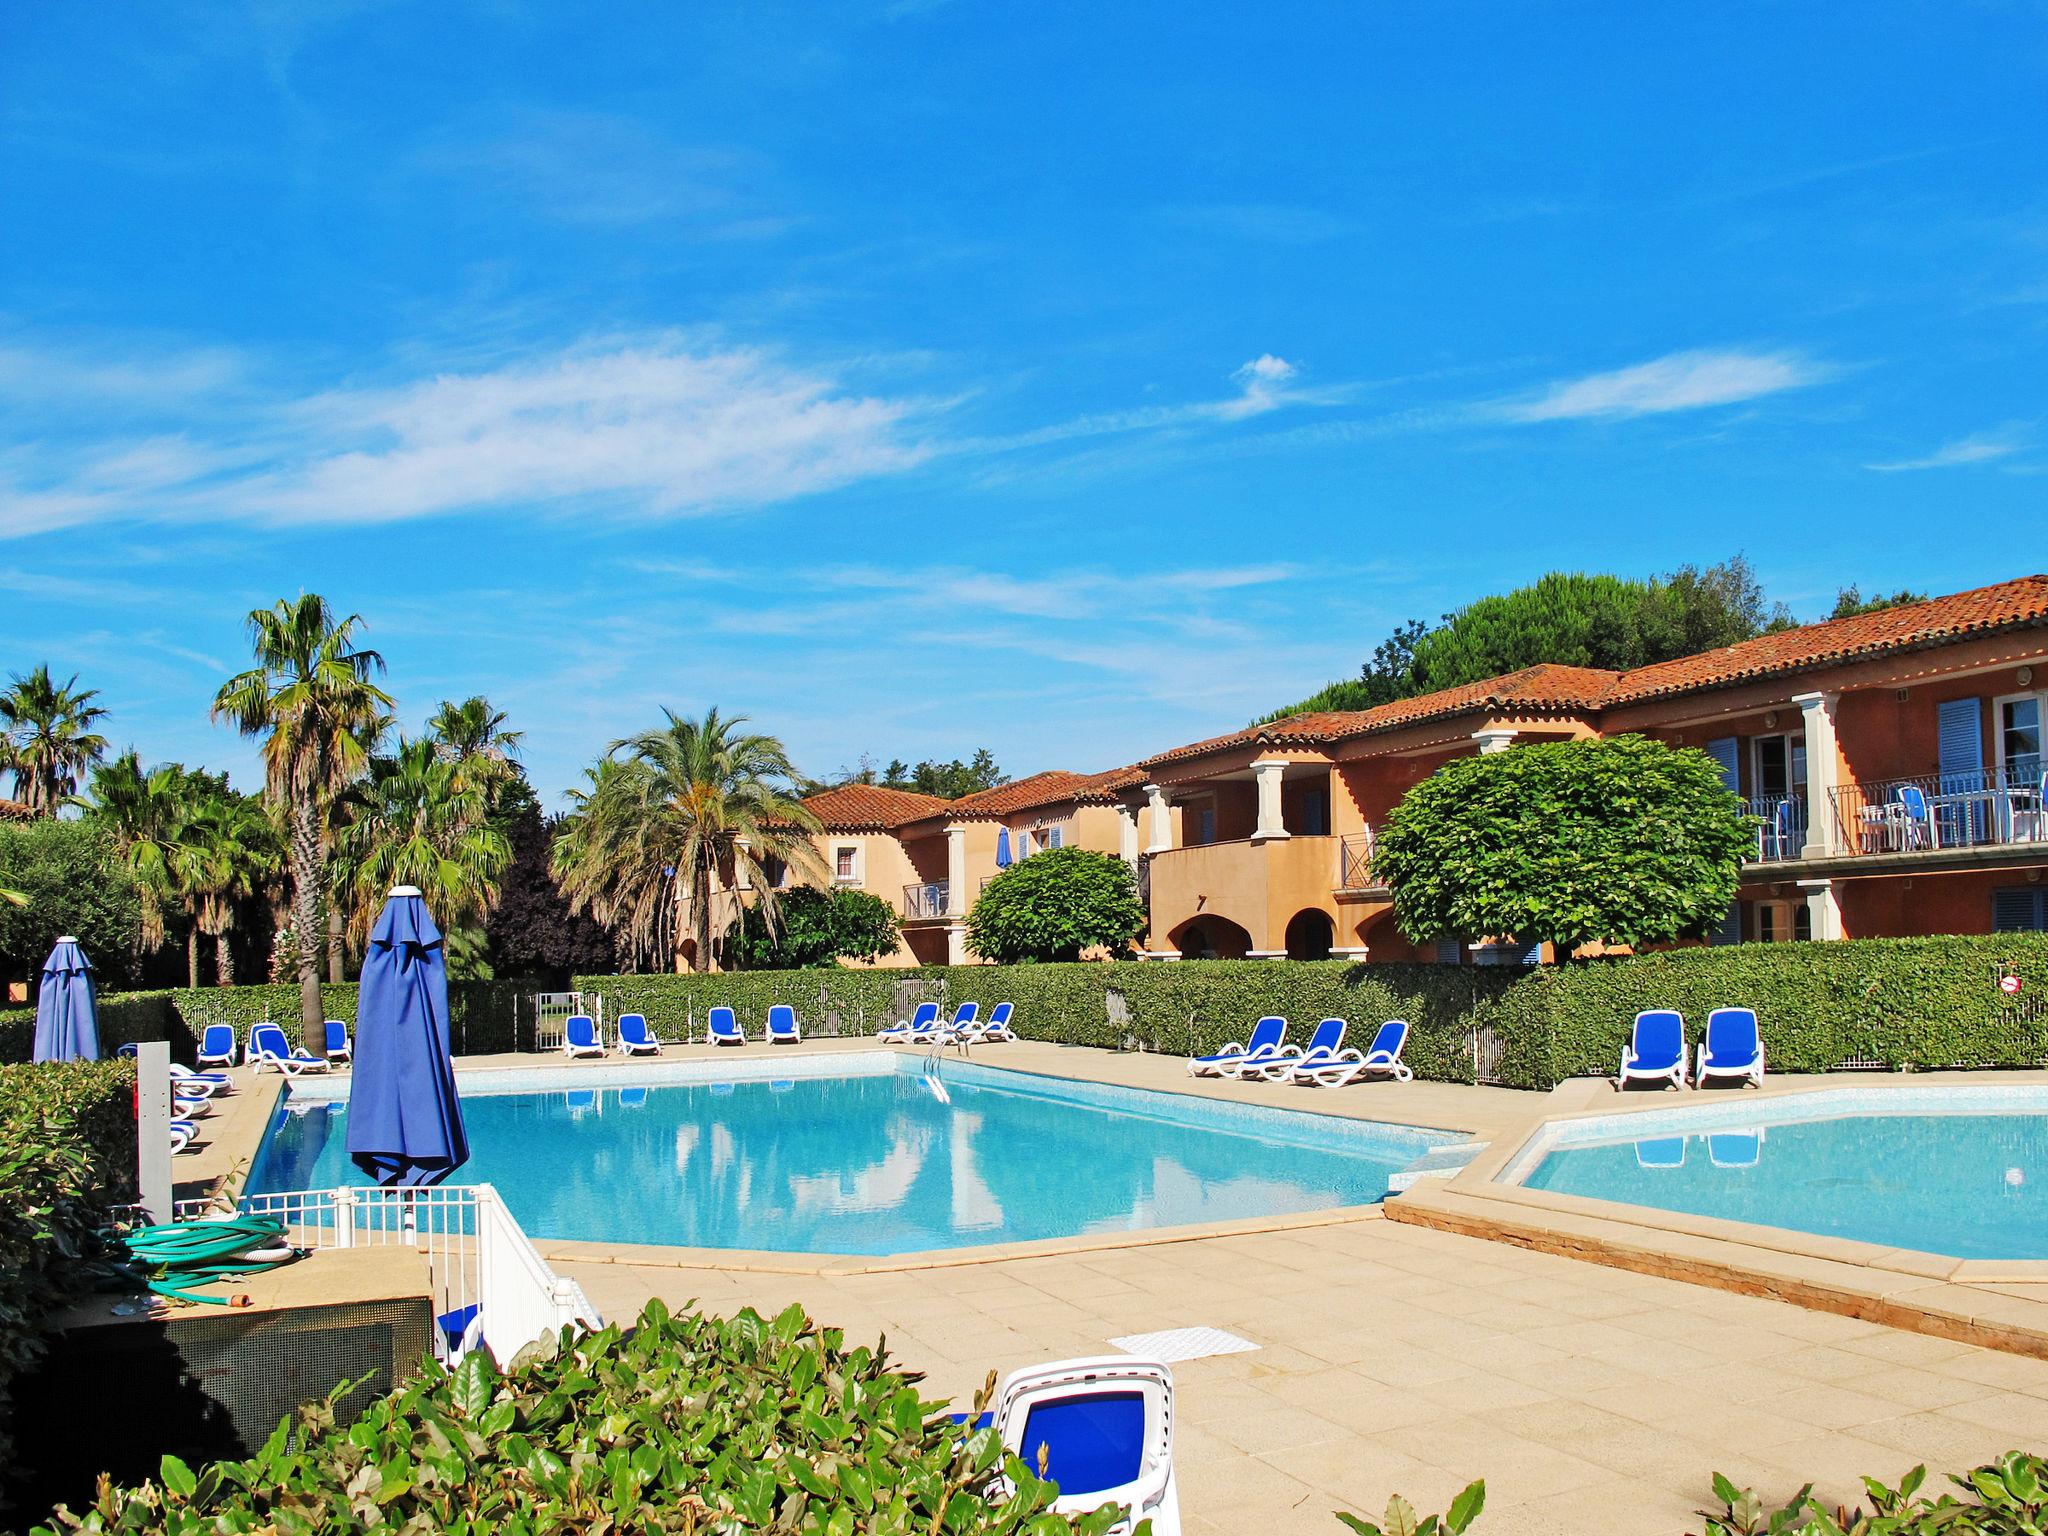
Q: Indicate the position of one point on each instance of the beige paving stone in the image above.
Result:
(1828, 1406)
(1918, 1388)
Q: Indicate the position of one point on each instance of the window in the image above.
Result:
(2019, 738)
(1781, 922)
(1315, 813)
(1780, 766)
(775, 871)
(1450, 952)
(2020, 909)
(1048, 837)
(846, 864)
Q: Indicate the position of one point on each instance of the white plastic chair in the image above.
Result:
(1106, 1426)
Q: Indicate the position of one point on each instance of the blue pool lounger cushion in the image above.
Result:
(1325, 1053)
(635, 1038)
(997, 1025)
(1382, 1058)
(1733, 1048)
(268, 1047)
(724, 1027)
(217, 1046)
(579, 1036)
(338, 1047)
(1264, 1045)
(782, 1026)
(1656, 1050)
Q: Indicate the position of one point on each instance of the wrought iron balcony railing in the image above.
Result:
(1929, 813)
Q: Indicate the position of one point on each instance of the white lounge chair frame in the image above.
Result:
(647, 1045)
(1154, 1494)
(1751, 1072)
(290, 1062)
(1351, 1064)
(1237, 1055)
(1674, 1075)
(794, 1035)
(594, 1046)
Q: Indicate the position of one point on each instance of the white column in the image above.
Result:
(1162, 820)
(1272, 826)
(956, 871)
(1823, 912)
(740, 880)
(1127, 833)
(1494, 741)
(1818, 712)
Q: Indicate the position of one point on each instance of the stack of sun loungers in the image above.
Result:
(1325, 1062)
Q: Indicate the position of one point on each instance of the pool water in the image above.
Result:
(1973, 1185)
(875, 1163)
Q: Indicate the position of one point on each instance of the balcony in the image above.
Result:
(1354, 863)
(1781, 834)
(1981, 808)
(921, 903)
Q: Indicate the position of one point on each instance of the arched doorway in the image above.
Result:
(1210, 937)
(1310, 933)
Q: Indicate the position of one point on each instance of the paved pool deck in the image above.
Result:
(1397, 1356)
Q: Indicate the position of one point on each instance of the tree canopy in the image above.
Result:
(1622, 841)
(1568, 619)
(74, 881)
(947, 780)
(1850, 601)
(813, 927)
(1056, 904)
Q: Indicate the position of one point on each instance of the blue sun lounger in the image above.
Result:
(1732, 1048)
(1383, 1056)
(1325, 1051)
(268, 1047)
(997, 1025)
(963, 1026)
(1105, 1429)
(723, 1027)
(338, 1047)
(1265, 1044)
(579, 1036)
(635, 1038)
(217, 1046)
(782, 1026)
(1656, 1050)
(913, 1029)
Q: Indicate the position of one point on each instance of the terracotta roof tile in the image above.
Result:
(1984, 610)
(871, 807)
(14, 810)
(1588, 690)
(1053, 787)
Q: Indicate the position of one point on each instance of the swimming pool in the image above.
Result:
(1952, 1170)
(856, 1155)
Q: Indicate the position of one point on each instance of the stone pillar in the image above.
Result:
(1162, 820)
(956, 944)
(740, 881)
(1823, 912)
(956, 871)
(1818, 713)
(1494, 741)
(1127, 833)
(1272, 826)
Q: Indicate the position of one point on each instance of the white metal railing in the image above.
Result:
(1354, 861)
(551, 1010)
(1969, 808)
(477, 1254)
(927, 900)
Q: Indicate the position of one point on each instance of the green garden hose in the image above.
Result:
(184, 1254)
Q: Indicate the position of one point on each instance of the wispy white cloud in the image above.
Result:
(1977, 448)
(1679, 381)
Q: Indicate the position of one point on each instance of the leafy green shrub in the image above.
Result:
(124, 1017)
(812, 927)
(1055, 905)
(1401, 1519)
(2007, 1497)
(76, 884)
(1623, 841)
(685, 1424)
(1932, 1002)
(67, 1151)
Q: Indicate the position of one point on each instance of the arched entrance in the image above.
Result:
(1210, 937)
(1310, 933)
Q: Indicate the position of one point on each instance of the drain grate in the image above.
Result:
(1183, 1344)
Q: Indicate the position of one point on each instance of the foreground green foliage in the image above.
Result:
(67, 1151)
(685, 1424)
(1401, 1519)
(1622, 841)
(1054, 906)
(812, 927)
(2007, 1497)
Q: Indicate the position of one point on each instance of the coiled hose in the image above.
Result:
(184, 1254)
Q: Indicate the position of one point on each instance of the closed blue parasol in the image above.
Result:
(67, 1022)
(1003, 848)
(404, 1119)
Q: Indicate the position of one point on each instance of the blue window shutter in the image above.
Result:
(1529, 954)
(1961, 727)
(1730, 929)
(2019, 909)
(1727, 751)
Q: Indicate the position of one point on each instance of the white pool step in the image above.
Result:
(1437, 1163)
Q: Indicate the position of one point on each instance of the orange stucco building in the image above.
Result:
(1895, 759)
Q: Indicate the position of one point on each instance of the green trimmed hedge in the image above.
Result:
(1180, 1009)
(123, 1016)
(1902, 1003)
(685, 1424)
(67, 1151)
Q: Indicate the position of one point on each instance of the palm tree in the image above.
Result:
(46, 738)
(420, 819)
(473, 730)
(310, 697)
(144, 813)
(231, 847)
(674, 816)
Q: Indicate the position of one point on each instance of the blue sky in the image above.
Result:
(1073, 380)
